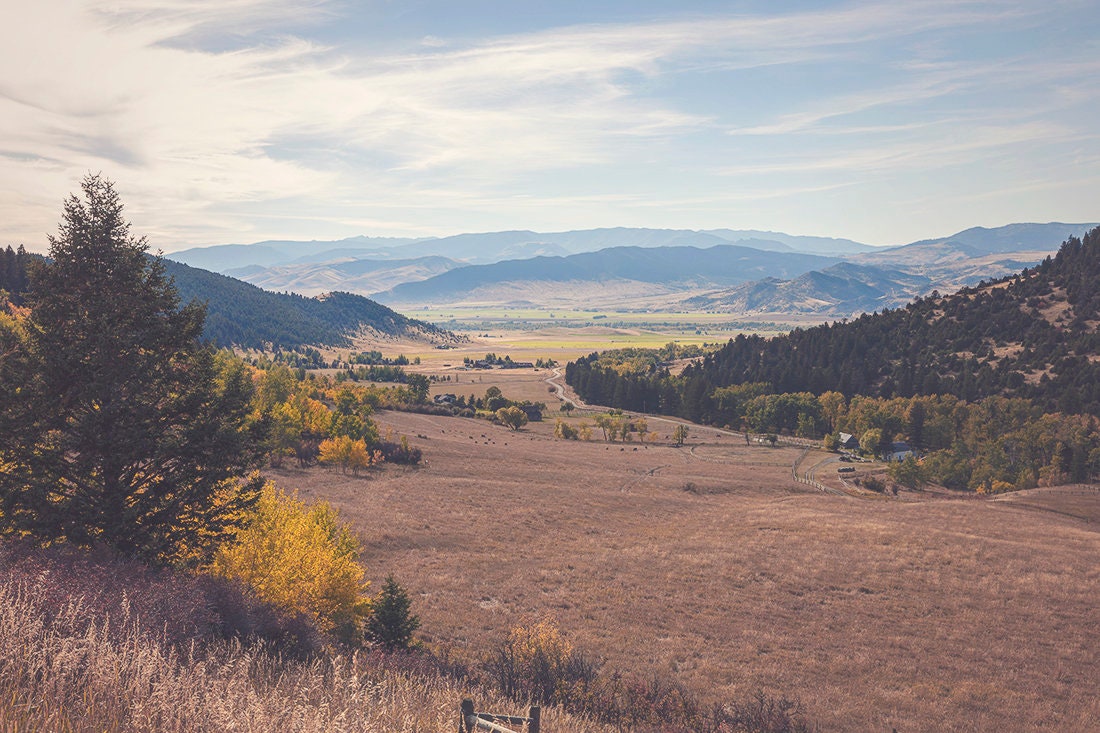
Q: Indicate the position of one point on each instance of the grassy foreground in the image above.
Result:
(93, 644)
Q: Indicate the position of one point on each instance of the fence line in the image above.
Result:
(809, 481)
(470, 721)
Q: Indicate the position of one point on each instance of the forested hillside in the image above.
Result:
(1033, 335)
(998, 384)
(244, 315)
(240, 314)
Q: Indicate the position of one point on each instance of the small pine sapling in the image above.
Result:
(392, 624)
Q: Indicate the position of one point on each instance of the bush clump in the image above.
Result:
(302, 559)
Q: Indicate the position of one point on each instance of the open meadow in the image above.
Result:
(709, 565)
(531, 334)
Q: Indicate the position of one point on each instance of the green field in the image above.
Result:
(684, 323)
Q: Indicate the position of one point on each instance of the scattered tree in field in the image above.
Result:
(565, 431)
(392, 622)
(680, 433)
(494, 400)
(567, 407)
(125, 431)
(513, 417)
(347, 453)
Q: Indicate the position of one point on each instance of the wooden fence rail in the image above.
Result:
(471, 721)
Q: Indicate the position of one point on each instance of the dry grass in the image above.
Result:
(65, 665)
(921, 614)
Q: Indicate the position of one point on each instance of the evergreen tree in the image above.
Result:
(127, 432)
(391, 622)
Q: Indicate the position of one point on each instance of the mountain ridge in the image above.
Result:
(240, 314)
(714, 266)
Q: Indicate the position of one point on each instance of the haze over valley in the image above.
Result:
(735, 272)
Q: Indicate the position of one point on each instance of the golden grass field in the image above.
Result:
(710, 565)
(530, 334)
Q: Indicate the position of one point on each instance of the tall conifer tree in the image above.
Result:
(129, 432)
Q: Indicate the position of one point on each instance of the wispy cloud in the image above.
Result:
(226, 120)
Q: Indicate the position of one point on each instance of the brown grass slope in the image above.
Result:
(102, 646)
(919, 614)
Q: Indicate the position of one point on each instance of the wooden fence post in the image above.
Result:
(467, 711)
(471, 721)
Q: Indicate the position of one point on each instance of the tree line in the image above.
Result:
(1018, 353)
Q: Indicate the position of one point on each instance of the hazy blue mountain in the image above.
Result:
(364, 276)
(682, 267)
(798, 243)
(490, 247)
(223, 257)
(838, 291)
(980, 241)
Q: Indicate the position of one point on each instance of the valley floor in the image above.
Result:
(710, 565)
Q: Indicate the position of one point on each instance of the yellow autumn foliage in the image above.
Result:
(302, 558)
(348, 453)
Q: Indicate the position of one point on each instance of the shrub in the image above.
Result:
(537, 663)
(874, 483)
(302, 559)
(565, 431)
(401, 453)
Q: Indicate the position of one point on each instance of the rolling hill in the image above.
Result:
(240, 314)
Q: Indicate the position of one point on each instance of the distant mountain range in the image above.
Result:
(669, 268)
(490, 247)
(351, 275)
(843, 289)
(743, 271)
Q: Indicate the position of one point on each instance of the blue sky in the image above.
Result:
(240, 120)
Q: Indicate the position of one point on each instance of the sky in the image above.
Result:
(236, 121)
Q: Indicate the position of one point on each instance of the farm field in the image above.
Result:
(466, 317)
(708, 564)
(531, 334)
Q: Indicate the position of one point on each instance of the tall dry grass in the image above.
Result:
(77, 654)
